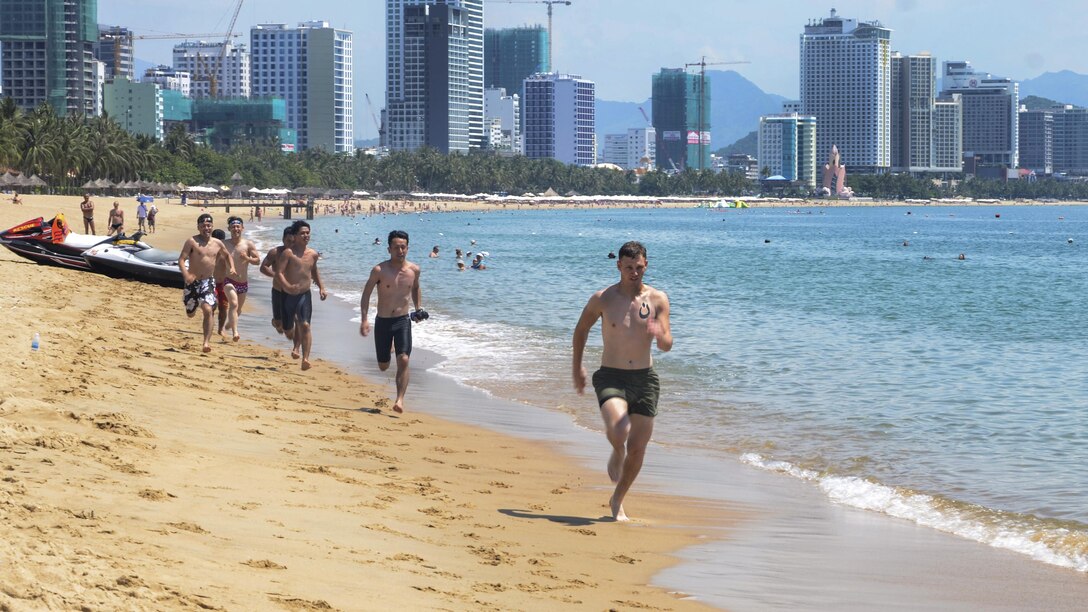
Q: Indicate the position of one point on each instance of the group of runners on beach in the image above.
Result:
(633, 316)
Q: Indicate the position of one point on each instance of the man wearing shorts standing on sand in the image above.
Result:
(268, 268)
(296, 269)
(236, 286)
(633, 315)
(87, 208)
(397, 280)
(117, 220)
(202, 252)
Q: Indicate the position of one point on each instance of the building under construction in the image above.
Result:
(48, 54)
(681, 117)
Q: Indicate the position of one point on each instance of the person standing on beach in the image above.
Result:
(117, 219)
(141, 215)
(397, 280)
(296, 269)
(235, 287)
(87, 208)
(633, 316)
(151, 212)
(202, 252)
(268, 268)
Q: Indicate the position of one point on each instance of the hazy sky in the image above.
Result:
(621, 43)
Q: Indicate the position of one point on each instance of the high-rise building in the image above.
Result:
(991, 108)
(224, 63)
(559, 115)
(114, 49)
(169, 79)
(502, 113)
(846, 85)
(400, 123)
(48, 54)
(310, 68)
(948, 133)
(915, 129)
(1071, 140)
(1036, 135)
(433, 110)
(512, 54)
(787, 147)
(136, 107)
(681, 119)
(635, 149)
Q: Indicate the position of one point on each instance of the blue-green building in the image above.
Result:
(136, 107)
(513, 54)
(226, 124)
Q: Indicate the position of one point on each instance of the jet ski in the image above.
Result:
(51, 242)
(130, 258)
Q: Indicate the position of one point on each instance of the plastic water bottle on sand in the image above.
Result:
(35, 342)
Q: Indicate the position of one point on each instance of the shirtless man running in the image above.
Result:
(633, 316)
(397, 280)
(87, 208)
(296, 270)
(202, 253)
(268, 268)
(236, 286)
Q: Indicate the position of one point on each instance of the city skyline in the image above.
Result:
(622, 59)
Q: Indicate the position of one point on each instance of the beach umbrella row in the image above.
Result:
(103, 183)
(8, 179)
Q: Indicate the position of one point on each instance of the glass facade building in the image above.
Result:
(240, 122)
(402, 57)
(48, 54)
(512, 54)
(681, 118)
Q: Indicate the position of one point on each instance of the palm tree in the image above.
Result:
(39, 141)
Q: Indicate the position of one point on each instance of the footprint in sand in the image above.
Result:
(264, 564)
(624, 559)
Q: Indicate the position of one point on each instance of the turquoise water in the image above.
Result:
(894, 377)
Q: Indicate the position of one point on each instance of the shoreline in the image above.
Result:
(141, 473)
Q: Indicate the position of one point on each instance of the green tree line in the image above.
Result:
(69, 151)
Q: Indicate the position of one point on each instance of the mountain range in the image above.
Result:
(1065, 86)
(735, 107)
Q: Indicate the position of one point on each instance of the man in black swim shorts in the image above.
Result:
(633, 315)
(397, 281)
(296, 270)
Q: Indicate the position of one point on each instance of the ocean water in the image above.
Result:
(848, 348)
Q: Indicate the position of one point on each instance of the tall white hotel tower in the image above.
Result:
(846, 84)
(310, 68)
(398, 119)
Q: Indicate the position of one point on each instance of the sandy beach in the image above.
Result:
(141, 474)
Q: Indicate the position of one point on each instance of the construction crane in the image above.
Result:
(214, 76)
(645, 116)
(374, 116)
(701, 87)
(178, 35)
(550, 3)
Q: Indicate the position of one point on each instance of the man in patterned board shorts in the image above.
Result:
(202, 252)
(632, 316)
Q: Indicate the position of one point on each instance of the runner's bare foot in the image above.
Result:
(306, 364)
(398, 406)
(615, 464)
(237, 337)
(295, 354)
(207, 348)
(617, 510)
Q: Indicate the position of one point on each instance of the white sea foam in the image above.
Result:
(1027, 535)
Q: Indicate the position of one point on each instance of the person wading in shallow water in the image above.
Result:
(632, 316)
